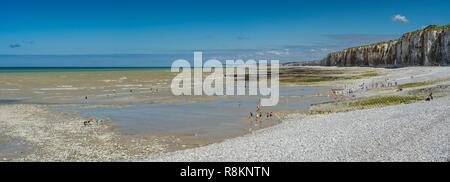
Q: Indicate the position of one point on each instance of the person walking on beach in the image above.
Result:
(256, 119)
(430, 97)
(258, 112)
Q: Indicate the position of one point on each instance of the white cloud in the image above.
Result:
(274, 52)
(260, 53)
(400, 18)
(284, 52)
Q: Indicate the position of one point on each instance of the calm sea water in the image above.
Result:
(73, 69)
(218, 117)
(224, 117)
(111, 60)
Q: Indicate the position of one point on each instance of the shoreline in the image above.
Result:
(53, 136)
(412, 132)
(272, 144)
(42, 134)
(60, 136)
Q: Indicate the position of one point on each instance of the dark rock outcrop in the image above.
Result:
(426, 47)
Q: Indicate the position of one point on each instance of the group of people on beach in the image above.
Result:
(384, 84)
(92, 120)
(350, 89)
(259, 115)
(152, 90)
(378, 84)
(335, 93)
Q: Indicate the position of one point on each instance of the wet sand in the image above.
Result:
(145, 117)
(399, 133)
(110, 86)
(43, 135)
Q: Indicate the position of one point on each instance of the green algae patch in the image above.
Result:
(316, 75)
(414, 84)
(364, 103)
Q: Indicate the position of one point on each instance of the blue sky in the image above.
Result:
(290, 30)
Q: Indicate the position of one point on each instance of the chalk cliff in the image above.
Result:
(426, 47)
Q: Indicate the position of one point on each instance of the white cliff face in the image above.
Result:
(427, 47)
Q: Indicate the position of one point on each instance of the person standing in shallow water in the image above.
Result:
(250, 118)
(258, 113)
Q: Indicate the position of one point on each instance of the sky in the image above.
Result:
(278, 29)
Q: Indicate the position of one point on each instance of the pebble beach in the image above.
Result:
(413, 132)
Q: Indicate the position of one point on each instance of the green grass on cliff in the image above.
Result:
(427, 29)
